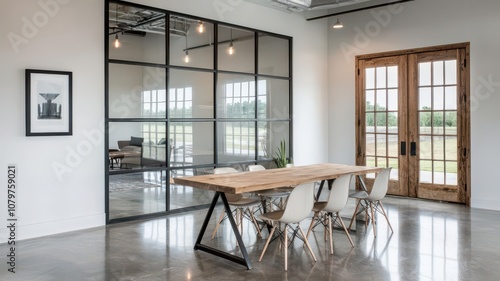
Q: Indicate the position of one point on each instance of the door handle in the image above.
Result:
(413, 148)
(403, 148)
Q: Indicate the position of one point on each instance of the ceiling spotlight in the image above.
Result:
(338, 24)
(201, 27)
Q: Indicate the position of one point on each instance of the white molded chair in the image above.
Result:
(298, 207)
(272, 195)
(327, 213)
(243, 206)
(371, 201)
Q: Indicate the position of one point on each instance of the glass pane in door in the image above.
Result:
(437, 113)
(381, 94)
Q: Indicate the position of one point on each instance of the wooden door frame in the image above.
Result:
(463, 112)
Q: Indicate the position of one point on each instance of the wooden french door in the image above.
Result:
(413, 115)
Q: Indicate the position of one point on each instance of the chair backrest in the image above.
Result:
(299, 204)
(228, 170)
(339, 194)
(225, 170)
(380, 185)
(253, 168)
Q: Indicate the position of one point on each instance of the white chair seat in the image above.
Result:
(272, 216)
(318, 206)
(245, 202)
(359, 195)
(273, 193)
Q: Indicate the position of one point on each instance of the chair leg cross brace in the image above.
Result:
(245, 260)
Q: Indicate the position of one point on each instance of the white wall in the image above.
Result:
(68, 35)
(420, 24)
(53, 35)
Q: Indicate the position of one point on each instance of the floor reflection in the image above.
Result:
(431, 241)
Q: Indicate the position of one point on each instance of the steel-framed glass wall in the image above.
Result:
(202, 95)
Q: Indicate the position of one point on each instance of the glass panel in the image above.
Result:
(191, 143)
(394, 163)
(370, 100)
(182, 196)
(370, 122)
(381, 100)
(438, 98)
(393, 122)
(451, 173)
(273, 98)
(381, 145)
(425, 171)
(190, 94)
(236, 49)
(236, 96)
(144, 42)
(191, 42)
(136, 145)
(381, 77)
(392, 77)
(425, 122)
(136, 91)
(136, 194)
(370, 161)
(450, 98)
(273, 55)
(392, 100)
(438, 147)
(381, 122)
(424, 74)
(370, 78)
(451, 148)
(381, 162)
(236, 141)
(437, 123)
(425, 98)
(450, 123)
(370, 144)
(438, 73)
(270, 135)
(439, 172)
(425, 147)
(393, 145)
(450, 70)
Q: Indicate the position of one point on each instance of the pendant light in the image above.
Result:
(186, 58)
(117, 43)
(231, 48)
(338, 24)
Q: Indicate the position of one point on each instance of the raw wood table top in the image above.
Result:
(273, 178)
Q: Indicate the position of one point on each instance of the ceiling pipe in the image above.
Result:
(360, 9)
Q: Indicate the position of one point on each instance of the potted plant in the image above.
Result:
(280, 156)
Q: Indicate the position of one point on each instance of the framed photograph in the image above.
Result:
(48, 103)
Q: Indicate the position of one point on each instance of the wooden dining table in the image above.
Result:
(244, 182)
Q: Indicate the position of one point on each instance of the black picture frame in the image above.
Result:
(49, 104)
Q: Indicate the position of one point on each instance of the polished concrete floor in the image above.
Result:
(431, 241)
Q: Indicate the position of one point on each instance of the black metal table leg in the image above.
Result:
(198, 246)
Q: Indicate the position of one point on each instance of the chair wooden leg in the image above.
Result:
(254, 222)
(218, 223)
(267, 242)
(374, 221)
(286, 247)
(385, 215)
(307, 243)
(355, 212)
(312, 223)
(330, 230)
(343, 226)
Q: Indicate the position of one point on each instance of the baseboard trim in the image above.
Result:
(53, 227)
